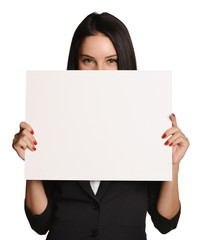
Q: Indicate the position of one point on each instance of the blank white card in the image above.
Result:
(99, 125)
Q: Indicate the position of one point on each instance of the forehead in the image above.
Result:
(98, 44)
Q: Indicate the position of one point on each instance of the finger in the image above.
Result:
(25, 132)
(30, 144)
(23, 143)
(24, 125)
(173, 118)
(171, 140)
(171, 131)
(20, 144)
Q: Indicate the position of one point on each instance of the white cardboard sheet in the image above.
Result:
(99, 125)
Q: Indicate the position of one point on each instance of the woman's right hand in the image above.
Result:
(23, 139)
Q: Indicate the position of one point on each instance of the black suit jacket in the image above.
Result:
(117, 211)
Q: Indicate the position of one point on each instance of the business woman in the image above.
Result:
(104, 210)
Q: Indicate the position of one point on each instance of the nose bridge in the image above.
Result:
(100, 66)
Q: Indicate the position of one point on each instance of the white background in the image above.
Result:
(36, 35)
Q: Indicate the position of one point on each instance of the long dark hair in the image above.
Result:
(112, 28)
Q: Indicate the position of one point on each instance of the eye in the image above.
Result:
(112, 60)
(87, 60)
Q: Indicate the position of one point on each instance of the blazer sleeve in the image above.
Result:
(41, 223)
(163, 224)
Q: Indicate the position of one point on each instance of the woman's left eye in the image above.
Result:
(112, 60)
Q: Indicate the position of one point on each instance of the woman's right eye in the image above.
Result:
(87, 60)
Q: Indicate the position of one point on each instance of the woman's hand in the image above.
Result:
(178, 141)
(23, 139)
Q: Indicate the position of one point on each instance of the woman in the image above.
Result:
(107, 209)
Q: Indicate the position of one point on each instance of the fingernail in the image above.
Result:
(173, 114)
(33, 148)
(35, 142)
(166, 142)
(164, 135)
(32, 132)
(171, 144)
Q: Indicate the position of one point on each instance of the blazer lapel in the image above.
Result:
(103, 187)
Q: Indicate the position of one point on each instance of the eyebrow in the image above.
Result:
(114, 55)
(85, 55)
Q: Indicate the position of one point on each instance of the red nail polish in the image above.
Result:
(171, 144)
(35, 142)
(173, 114)
(32, 132)
(166, 142)
(33, 148)
(164, 135)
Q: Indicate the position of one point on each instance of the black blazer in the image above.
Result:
(117, 211)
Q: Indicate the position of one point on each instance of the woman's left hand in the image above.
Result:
(178, 141)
